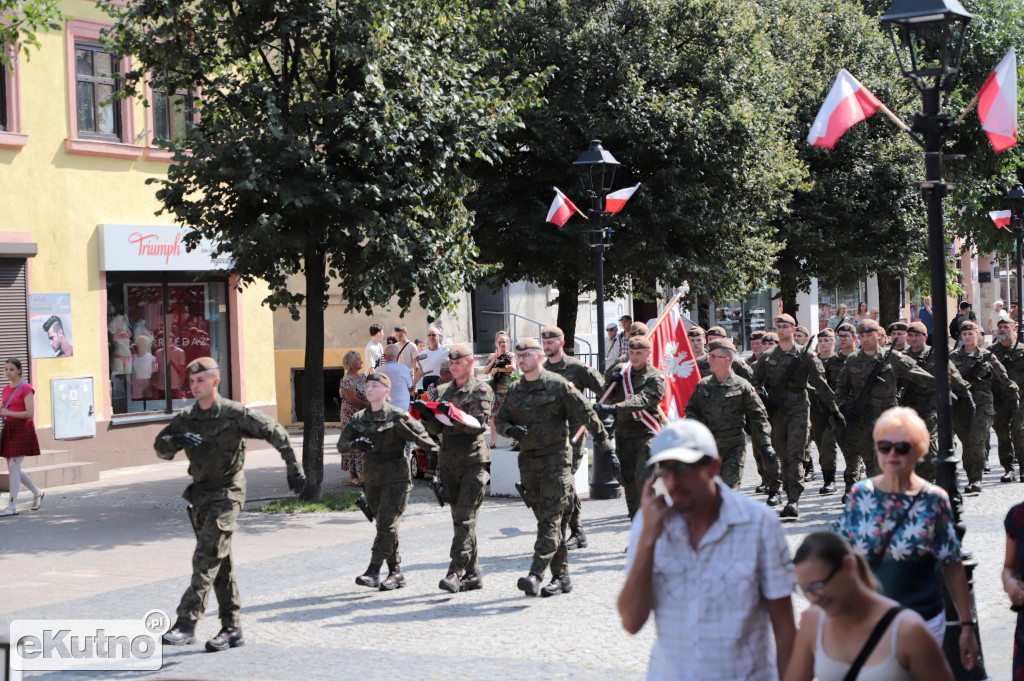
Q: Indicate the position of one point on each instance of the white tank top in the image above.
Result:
(889, 669)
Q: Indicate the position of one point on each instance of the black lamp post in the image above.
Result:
(1016, 198)
(597, 172)
(928, 37)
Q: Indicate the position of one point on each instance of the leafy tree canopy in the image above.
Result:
(22, 20)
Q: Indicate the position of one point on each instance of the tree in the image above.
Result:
(21, 20)
(331, 139)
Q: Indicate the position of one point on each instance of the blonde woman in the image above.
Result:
(353, 398)
(501, 364)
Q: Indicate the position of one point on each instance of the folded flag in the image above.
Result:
(616, 201)
(997, 104)
(445, 418)
(561, 209)
(1001, 218)
(848, 103)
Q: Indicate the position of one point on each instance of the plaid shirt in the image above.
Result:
(710, 604)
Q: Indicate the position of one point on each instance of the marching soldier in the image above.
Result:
(768, 341)
(757, 350)
(739, 367)
(823, 427)
(986, 375)
(1009, 425)
(898, 336)
(537, 412)
(212, 432)
(867, 386)
(755, 346)
(783, 375)
(638, 390)
(380, 432)
(728, 404)
(802, 337)
(462, 462)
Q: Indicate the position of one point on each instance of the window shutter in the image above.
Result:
(14, 313)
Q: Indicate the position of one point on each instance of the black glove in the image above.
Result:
(615, 467)
(768, 452)
(838, 420)
(296, 482)
(186, 440)
(362, 444)
(516, 432)
(848, 412)
(616, 376)
(445, 408)
(605, 409)
(421, 408)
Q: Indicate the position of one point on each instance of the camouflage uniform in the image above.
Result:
(1009, 422)
(922, 400)
(823, 429)
(739, 367)
(986, 375)
(463, 463)
(387, 478)
(545, 407)
(790, 415)
(217, 493)
(728, 408)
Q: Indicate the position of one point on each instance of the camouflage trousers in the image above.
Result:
(388, 503)
(1009, 427)
(214, 523)
(572, 515)
(974, 435)
(789, 438)
(547, 484)
(633, 450)
(823, 434)
(732, 457)
(758, 461)
(858, 444)
(464, 486)
(926, 466)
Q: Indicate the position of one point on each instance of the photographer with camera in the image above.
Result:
(500, 367)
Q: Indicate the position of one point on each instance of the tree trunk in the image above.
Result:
(787, 294)
(568, 307)
(313, 375)
(888, 299)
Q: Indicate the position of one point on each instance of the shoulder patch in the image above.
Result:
(483, 388)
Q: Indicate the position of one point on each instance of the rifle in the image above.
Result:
(976, 367)
(775, 396)
(857, 409)
(438, 489)
(364, 506)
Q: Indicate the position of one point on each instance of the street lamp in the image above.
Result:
(597, 172)
(928, 37)
(1016, 198)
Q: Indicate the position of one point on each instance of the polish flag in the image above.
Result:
(561, 209)
(848, 103)
(454, 414)
(616, 201)
(997, 104)
(1001, 218)
(672, 355)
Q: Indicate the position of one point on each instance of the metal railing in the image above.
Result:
(589, 357)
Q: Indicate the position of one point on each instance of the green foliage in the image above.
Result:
(331, 501)
(22, 20)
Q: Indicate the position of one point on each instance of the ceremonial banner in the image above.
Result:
(672, 355)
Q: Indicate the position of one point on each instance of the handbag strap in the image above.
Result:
(14, 394)
(876, 560)
(869, 645)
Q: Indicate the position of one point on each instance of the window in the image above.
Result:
(154, 329)
(170, 115)
(98, 113)
(11, 136)
(3, 98)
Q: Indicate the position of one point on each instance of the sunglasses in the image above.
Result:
(901, 448)
(817, 587)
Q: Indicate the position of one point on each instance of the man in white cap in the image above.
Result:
(711, 564)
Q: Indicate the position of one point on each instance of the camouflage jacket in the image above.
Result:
(726, 408)
(388, 429)
(922, 398)
(985, 374)
(774, 367)
(648, 392)
(1012, 359)
(461, 444)
(897, 371)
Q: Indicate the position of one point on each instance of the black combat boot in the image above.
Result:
(1009, 476)
(578, 540)
(830, 484)
(792, 510)
(451, 583)
(530, 585)
(370, 578)
(471, 581)
(394, 580)
(558, 585)
(808, 471)
(774, 499)
(181, 634)
(229, 637)
(761, 489)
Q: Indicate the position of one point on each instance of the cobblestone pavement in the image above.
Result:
(119, 547)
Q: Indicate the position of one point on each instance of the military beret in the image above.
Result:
(721, 344)
(805, 330)
(379, 378)
(637, 342)
(459, 351)
(200, 365)
(717, 331)
(785, 319)
(969, 326)
(846, 326)
(898, 326)
(757, 335)
(637, 329)
(826, 333)
(771, 336)
(868, 325)
(528, 344)
(551, 332)
(1006, 320)
(695, 330)
(918, 327)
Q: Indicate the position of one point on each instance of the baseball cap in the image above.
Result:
(611, 327)
(684, 440)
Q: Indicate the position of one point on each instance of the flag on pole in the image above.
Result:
(616, 201)
(997, 104)
(1001, 218)
(561, 209)
(847, 103)
(446, 418)
(672, 355)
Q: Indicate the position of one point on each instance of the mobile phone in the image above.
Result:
(659, 486)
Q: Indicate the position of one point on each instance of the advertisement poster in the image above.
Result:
(49, 325)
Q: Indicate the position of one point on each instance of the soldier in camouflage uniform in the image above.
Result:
(212, 432)
(462, 462)
(380, 432)
(782, 377)
(537, 412)
(635, 411)
(739, 367)
(1009, 422)
(986, 376)
(727, 404)
(922, 400)
(867, 386)
(757, 350)
(898, 336)
(823, 427)
(802, 336)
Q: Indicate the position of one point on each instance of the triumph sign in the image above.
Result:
(159, 248)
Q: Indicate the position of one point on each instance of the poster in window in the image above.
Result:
(49, 325)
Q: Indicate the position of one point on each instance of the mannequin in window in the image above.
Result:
(143, 367)
(176, 367)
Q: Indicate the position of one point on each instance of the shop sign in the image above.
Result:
(147, 248)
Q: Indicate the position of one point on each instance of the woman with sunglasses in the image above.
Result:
(904, 527)
(845, 609)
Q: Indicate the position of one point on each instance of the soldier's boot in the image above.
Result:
(774, 498)
(394, 580)
(578, 540)
(830, 484)
(808, 470)
(792, 510)
(182, 633)
(229, 637)
(973, 487)
(472, 581)
(1009, 476)
(761, 489)
(988, 453)
(371, 577)
(846, 495)
(450, 583)
(530, 585)
(558, 585)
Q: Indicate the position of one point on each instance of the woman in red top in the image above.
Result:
(18, 437)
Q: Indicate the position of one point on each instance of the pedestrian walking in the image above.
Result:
(212, 431)
(18, 438)
(711, 564)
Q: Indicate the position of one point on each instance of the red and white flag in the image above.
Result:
(455, 413)
(1001, 218)
(561, 209)
(997, 104)
(848, 103)
(616, 201)
(672, 355)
